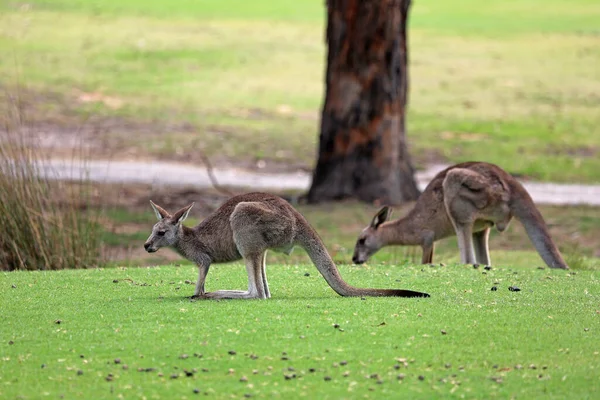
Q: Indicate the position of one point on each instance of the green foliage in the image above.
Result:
(513, 83)
(464, 341)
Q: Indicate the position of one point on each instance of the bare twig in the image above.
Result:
(212, 177)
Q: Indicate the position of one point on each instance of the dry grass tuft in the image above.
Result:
(42, 225)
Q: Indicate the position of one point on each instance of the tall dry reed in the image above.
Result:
(44, 225)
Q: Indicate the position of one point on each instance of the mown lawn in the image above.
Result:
(132, 333)
(514, 83)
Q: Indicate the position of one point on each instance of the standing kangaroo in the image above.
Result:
(465, 200)
(246, 226)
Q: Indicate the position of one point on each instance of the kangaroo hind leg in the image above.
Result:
(256, 228)
(256, 282)
(464, 196)
(257, 279)
(465, 244)
(480, 243)
(263, 276)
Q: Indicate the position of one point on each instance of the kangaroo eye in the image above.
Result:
(361, 241)
(160, 233)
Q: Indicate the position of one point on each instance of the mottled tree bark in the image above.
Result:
(362, 145)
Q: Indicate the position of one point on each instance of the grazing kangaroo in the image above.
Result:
(246, 226)
(465, 200)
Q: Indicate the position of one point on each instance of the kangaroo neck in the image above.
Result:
(188, 244)
(203, 243)
(403, 231)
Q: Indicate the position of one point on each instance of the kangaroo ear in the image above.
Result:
(159, 211)
(182, 214)
(381, 216)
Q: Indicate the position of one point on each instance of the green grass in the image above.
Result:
(513, 83)
(539, 342)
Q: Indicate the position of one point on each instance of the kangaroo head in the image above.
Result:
(370, 240)
(165, 232)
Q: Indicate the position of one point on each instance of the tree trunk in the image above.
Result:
(362, 145)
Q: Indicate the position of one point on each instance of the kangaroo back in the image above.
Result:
(309, 240)
(524, 209)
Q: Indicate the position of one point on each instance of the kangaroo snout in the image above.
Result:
(356, 260)
(149, 248)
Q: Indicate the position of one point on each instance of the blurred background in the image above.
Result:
(240, 83)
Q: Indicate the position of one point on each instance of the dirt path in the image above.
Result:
(172, 174)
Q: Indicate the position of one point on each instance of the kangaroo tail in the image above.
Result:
(310, 241)
(524, 209)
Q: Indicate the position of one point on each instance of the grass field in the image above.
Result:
(123, 333)
(513, 83)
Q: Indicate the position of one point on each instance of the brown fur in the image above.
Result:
(465, 200)
(246, 226)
